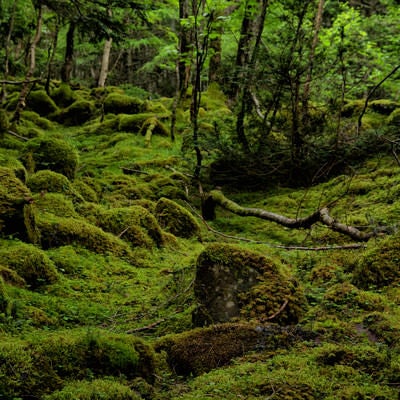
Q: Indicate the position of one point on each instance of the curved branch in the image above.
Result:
(322, 215)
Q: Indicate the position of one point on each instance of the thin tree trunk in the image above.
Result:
(32, 64)
(105, 61)
(7, 50)
(53, 50)
(66, 70)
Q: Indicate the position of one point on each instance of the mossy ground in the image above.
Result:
(96, 281)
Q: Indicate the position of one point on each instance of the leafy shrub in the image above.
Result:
(50, 153)
(176, 219)
(30, 263)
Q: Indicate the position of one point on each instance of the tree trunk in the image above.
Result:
(7, 51)
(53, 50)
(32, 64)
(105, 61)
(66, 70)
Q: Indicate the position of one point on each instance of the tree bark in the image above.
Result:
(322, 215)
(32, 64)
(105, 61)
(66, 70)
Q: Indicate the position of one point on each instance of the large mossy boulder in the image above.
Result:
(47, 363)
(16, 212)
(135, 225)
(29, 262)
(77, 113)
(176, 219)
(380, 265)
(203, 349)
(40, 102)
(233, 283)
(116, 103)
(64, 96)
(50, 153)
(61, 231)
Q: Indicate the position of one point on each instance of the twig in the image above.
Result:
(147, 327)
(16, 135)
(5, 82)
(281, 308)
(129, 171)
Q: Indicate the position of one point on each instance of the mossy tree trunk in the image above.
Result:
(66, 70)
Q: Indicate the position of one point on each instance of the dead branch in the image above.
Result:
(16, 135)
(281, 308)
(5, 82)
(147, 327)
(351, 246)
(322, 215)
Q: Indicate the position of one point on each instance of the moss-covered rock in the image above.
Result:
(64, 96)
(105, 389)
(383, 106)
(85, 190)
(40, 102)
(48, 181)
(59, 231)
(133, 123)
(135, 225)
(4, 299)
(15, 206)
(176, 219)
(50, 153)
(394, 118)
(30, 263)
(11, 277)
(203, 349)
(116, 103)
(39, 121)
(234, 283)
(55, 203)
(47, 363)
(77, 113)
(380, 265)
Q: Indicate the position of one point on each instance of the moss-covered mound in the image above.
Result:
(380, 265)
(40, 102)
(50, 153)
(15, 199)
(4, 122)
(64, 96)
(77, 113)
(55, 203)
(116, 103)
(41, 366)
(11, 277)
(49, 181)
(36, 119)
(59, 231)
(105, 389)
(203, 349)
(235, 283)
(29, 262)
(135, 225)
(176, 219)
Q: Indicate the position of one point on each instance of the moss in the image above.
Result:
(235, 283)
(64, 96)
(14, 197)
(105, 389)
(55, 203)
(85, 190)
(50, 153)
(133, 123)
(116, 103)
(47, 363)
(58, 231)
(176, 219)
(352, 107)
(49, 181)
(7, 160)
(11, 277)
(383, 106)
(30, 263)
(384, 327)
(40, 102)
(203, 349)
(4, 299)
(77, 113)
(163, 186)
(380, 265)
(39, 121)
(134, 224)
(394, 118)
